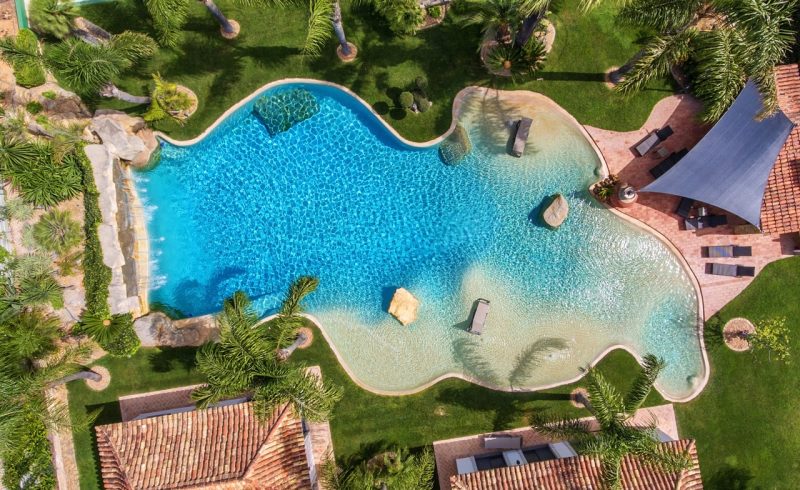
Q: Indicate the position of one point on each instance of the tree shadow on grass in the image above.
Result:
(107, 413)
(170, 359)
(730, 478)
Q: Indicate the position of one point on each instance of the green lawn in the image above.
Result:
(747, 421)
(223, 72)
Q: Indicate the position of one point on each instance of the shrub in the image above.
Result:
(404, 16)
(421, 82)
(167, 101)
(34, 107)
(456, 146)
(57, 232)
(42, 120)
(604, 189)
(435, 11)
(41, 289)
(423, 104)
(96, 275)
(509, 60)
(283, 110)
(49, 94)
(27, 463)
(406, 100)
(38, 179)
(17, 209)
(114, 333)
(772, 335)
(28, 73)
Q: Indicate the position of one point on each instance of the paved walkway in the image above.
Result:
(658, 211)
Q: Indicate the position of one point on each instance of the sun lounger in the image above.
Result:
(479, 318)
(668, 163)
(521, 136)
(685, 207)
(651, 140)
(730, 270)
(726, 251)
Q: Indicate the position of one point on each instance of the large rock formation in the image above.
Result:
(157, 330)
(404, 306)
(128, 135)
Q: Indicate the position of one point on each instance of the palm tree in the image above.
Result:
(169, 17)
(93, 68)
(396, 469)
(57, 232)
(748, 39)
(246, 361)
(288, 321)
(616, 436)
(508, 21)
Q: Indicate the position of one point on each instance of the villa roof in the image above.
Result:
(224, 447)
(730, 166)
(780, 212)
(584, 472)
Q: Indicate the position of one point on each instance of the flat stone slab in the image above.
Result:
(157, 330)
(404, 306)
(117, 138)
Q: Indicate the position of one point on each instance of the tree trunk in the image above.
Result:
(285, 353)
(111, 90)
(338, 28)
(87, 374)
(528, 27)
(617, 75)
(227, 27)
(89, 32)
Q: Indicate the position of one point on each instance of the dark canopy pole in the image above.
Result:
(730, 166)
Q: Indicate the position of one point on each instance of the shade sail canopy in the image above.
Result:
(730, 166)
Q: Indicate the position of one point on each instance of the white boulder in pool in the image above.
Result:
(404, 306)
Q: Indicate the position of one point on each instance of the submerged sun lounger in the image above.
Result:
(668, 163)
(521, 136)
(726, 251)
(685, 207)
(730, 270)
(479, 318)
(651, 140)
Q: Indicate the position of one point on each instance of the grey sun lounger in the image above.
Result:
(479, 317)
(726, 251)
(668, 163)
(521, 136)
(730, 270)
(651, 140)
(685, 207)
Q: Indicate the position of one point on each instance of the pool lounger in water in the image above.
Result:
(479, 318)
(521, 136)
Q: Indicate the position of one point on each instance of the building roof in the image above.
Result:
(584, 472)
(780, 212)
(730, 166)
(225, 447)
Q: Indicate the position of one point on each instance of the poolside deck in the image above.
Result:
(658, 211)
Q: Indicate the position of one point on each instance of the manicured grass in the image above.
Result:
(747, 421)
(223, 72)
(148, 370)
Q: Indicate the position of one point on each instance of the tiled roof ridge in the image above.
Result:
(106, 450)
(274, 426)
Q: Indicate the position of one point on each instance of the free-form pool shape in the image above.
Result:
(340, 197)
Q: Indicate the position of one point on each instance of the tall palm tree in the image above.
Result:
(616, 436)
(747, 40)
(169, 17)
(94, 68)
(246, 360)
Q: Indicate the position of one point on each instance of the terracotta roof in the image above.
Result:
(584, 472)
(780, 211)
(220, 448)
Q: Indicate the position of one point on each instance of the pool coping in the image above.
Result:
(456, 112)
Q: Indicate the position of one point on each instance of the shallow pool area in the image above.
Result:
(340, 197)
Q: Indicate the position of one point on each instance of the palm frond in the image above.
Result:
(651, 368)
(658, 57)
(560, 427)
(720, 74)
(319, 26)
(169, 17)
(298, 290)
(661, 15)
(309, 396)
(606, 403)
(132, 47)
(84, 67)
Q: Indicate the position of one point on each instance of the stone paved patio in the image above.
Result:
(658, 211)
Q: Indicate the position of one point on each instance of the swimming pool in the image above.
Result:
(339, 197)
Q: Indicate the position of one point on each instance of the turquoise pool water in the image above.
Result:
(338, 197)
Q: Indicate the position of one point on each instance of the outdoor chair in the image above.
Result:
(651, 140)
(668, 163)
(726, 251)
(685, 207)
(730, 270)
(521, 136)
